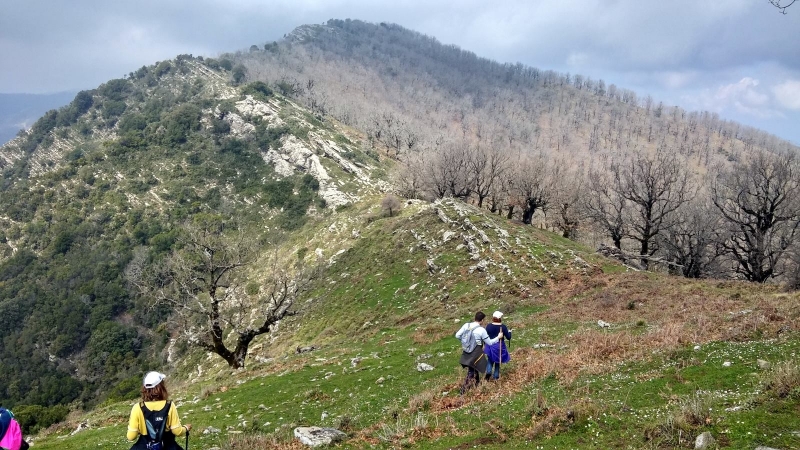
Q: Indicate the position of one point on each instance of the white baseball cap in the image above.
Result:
(497, 315)
(152, 379)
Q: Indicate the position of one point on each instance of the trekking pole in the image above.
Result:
(187, 439)
(500, 357)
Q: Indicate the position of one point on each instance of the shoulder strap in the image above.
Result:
(160, 434)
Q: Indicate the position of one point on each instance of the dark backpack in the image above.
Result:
(156, 422)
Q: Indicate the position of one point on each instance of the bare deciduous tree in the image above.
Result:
(534, 184)
(605, 207)
(692, 243)
(782, 4)
(448, 171)
(569, 211)
(205, 285)
(655, 186)
(487, 165)
(760, 202)
(391, 204)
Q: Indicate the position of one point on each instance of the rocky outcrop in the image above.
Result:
(317, 436)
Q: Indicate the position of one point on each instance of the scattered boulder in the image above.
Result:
(704, 441)
(211, 430)
(317, 436)
(380, 380)
(305, 349)
(603, 324)
(423, 367)
(432, 267)
(761, 447)
(81, 426)
(763, 365)
(727, 364)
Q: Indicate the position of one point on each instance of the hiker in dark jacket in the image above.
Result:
(473, 337)
(496, 353)
(156, 409)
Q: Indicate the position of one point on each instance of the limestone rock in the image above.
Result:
(423, 367)
(317, 436)
(704, 441)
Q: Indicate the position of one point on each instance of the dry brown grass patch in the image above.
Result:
(253, 442)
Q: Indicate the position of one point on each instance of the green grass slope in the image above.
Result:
(680, 357)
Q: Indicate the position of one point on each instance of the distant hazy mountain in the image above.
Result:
(19, 111)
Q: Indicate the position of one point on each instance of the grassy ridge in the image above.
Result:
(655, 378)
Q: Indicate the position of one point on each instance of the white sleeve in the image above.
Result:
(483, 336)
(462, 330)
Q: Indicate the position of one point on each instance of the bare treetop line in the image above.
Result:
(560, 150)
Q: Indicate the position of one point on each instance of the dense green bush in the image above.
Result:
(238, 73)
(258, 89)
(184, 120)
(33, 418)
(117, 89)
(113, 108)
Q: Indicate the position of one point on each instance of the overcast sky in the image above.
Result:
(740, 58)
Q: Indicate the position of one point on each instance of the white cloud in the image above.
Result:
(788, 94)
(746, 96)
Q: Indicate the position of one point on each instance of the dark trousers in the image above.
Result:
(472, 380)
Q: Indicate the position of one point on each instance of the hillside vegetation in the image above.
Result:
(594, 161)
(125, 166)
(679, 357)
(292, 148)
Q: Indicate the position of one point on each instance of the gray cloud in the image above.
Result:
(676, 50)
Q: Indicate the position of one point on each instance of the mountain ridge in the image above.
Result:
(123, 168)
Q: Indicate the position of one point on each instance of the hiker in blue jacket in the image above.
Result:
(473, 337)
(496, 353)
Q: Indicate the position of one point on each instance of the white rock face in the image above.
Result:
(423, 367)
(317, 436)
(238, 125)
(250, 107)
(295, 156)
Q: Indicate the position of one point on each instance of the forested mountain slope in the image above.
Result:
(410, 92)
(594, 161)
(124, 166)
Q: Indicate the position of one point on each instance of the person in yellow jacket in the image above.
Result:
(154, 421)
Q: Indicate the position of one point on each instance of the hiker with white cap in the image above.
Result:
(496, 353)
(154, 421)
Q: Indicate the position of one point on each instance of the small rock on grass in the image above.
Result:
(704, 441)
